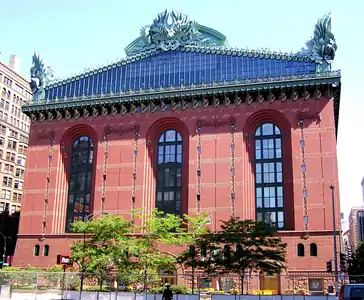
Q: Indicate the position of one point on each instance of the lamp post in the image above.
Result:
(334, 236)
(89, 218)
(4, 254)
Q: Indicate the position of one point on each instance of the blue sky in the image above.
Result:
(73, 35)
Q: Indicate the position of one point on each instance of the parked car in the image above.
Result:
(352, 292)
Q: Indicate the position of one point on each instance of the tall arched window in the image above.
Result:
(268, 175)
(80, 181)
(169, 173)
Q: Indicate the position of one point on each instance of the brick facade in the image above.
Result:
(321, 161)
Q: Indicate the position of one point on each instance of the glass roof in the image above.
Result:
(174, 69)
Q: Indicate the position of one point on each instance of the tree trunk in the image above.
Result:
(242, 284)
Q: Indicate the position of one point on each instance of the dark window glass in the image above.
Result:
(46, 250)
(169, 173)
(313, 249)
(174, 68)
(80, 181)
(300, 250)
(269, 175)
(36, 250)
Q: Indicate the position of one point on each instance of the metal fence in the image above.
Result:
(182, 284)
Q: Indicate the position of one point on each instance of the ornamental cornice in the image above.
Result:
(186, 90)
(219, 96)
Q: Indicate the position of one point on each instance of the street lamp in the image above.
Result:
(4, 254)
(89, 218)
(334, 235)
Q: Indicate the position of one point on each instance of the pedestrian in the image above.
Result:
(167, 293)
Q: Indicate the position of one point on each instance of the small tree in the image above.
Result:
(104, 247)
(160, 229)
(356, 265)
(241, 246)
(134, 251)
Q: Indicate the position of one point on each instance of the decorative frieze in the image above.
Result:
(181, 103)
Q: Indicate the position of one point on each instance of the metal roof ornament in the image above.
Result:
(322, 47)
(171, 30)
(40, 76)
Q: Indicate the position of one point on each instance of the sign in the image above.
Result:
(315, 284)
(64, 260)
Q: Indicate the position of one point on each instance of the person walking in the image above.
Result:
(167, 293)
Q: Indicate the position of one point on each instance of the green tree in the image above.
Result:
(134, 250)
(158, 229)
(240, 247)
(356, 265)
(104, 246)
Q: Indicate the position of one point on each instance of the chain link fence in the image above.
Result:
(40, 285)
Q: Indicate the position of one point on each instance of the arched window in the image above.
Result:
(300, 250)
(313, 249)
(268, 175)
(169, 173)
(80, 181)
(36, 250)
(45, 250)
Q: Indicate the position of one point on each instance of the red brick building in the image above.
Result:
(187, 126)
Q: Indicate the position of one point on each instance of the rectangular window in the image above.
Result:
(8, 81)
(18, 184)
(18, 88)
(19, 173)
(22, 149)
(23, 139)
(7, 181)
(12, 144)
(5, 194)
(20, 161)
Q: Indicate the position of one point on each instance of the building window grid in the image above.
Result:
(269, 175)
(176, 68)
(80, 181)
(169, 173)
